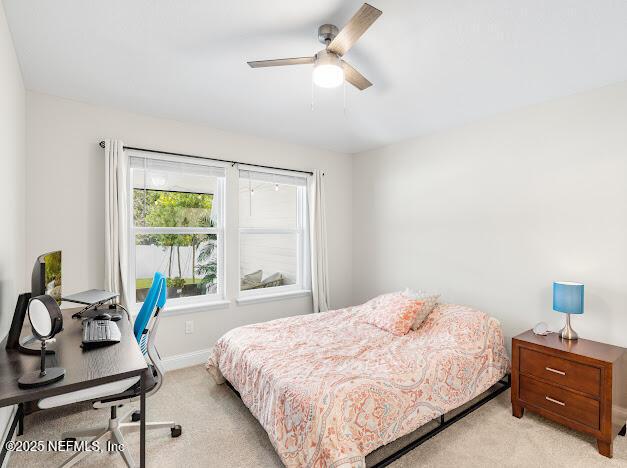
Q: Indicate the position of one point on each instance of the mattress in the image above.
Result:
(330, 388)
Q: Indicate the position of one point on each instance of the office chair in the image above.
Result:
(116, 394)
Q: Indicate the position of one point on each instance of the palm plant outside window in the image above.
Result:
(177, 228)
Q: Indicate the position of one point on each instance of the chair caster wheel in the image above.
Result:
(176, 431)
(136, 416)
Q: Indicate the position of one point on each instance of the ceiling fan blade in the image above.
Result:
(281, 62)
(356, 26)
(355, 78)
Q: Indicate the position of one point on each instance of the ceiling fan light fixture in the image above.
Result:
(328, 71)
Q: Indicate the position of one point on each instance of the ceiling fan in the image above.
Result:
(330, 70)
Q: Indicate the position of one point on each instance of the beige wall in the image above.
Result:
(66, 202)
(13, 160)
(491, 213)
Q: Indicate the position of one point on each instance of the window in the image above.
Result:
(273, 233)
(177, 227)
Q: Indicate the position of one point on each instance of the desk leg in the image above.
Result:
(20, 419)
(142, 421)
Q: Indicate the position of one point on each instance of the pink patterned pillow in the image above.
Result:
(392, 312)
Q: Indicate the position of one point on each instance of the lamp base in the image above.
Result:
(567, 333)
(35, 379)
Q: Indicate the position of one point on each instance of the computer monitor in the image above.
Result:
(46, 278)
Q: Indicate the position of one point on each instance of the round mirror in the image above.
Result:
(39, 317)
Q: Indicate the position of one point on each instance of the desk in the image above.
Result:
(83, 369)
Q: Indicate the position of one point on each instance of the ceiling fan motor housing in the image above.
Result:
(324, 57)
(327, 32)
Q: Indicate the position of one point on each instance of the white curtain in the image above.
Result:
(116, 220)
(318, 239)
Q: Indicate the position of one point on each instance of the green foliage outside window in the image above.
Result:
(154, 208)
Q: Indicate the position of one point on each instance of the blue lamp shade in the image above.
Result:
(568, 297)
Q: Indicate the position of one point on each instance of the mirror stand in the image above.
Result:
(43, 376)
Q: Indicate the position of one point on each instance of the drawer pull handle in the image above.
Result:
(561, 403)
(550, 369)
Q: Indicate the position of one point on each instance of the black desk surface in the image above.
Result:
(83, 369)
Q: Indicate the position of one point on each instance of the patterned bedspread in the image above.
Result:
(329, 388)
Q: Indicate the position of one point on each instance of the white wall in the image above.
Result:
(65, 166)
(12, 160)
(491, 213)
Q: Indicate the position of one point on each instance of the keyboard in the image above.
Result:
(100, 333)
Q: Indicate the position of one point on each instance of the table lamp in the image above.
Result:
(568, 299)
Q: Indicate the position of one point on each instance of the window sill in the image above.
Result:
(272, 297)
(182, 309)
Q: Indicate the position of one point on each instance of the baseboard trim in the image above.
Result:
(179, 361)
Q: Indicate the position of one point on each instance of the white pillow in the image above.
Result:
(429, 300)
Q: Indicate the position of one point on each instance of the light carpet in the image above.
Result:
(219, 431)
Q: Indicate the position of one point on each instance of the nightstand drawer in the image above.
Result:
(559, 401)
(564, 372)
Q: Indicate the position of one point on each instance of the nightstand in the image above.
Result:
(581, 384)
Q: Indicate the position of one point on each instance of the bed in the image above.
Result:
(330, 388)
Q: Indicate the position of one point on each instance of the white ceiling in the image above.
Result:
(434, 63)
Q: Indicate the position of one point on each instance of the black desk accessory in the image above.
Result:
(46, 321)
(97, 333)
(93, 313)
(17, 323)
(114, 316)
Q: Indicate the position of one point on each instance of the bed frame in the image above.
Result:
(496, 389)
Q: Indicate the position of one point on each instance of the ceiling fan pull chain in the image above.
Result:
(344, 93)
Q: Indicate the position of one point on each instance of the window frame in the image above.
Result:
(133, 230)
(303, 257)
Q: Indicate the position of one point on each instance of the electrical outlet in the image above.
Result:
(189, 327)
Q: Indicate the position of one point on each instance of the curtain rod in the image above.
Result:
(102, 145)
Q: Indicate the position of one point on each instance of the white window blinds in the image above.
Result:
(175, 176)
